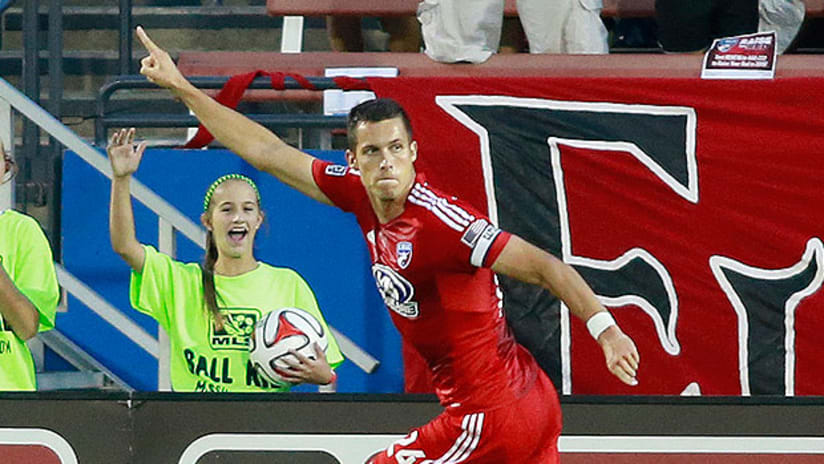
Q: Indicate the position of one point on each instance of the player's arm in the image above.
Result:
(528, 263)
(253, 142)
(125, 159)
(16, 310)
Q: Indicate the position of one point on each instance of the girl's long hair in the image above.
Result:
(207, 276)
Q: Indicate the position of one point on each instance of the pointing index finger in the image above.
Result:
(146, 41)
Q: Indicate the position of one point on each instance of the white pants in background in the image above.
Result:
(782, 16)
(470, 30)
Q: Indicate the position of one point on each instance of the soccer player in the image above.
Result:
(210, 311)
(433, 262)
(28, 289)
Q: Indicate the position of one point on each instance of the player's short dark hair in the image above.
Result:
(376, 110)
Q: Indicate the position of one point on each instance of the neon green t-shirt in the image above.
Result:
(202, 360)
(27, 259)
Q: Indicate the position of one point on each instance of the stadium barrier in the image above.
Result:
(328, 429)
(654, 66)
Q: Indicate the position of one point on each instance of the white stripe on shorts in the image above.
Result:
(467, 442)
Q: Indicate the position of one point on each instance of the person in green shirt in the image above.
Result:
(28, 290)
(210, 310)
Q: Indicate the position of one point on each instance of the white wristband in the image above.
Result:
(600, 322)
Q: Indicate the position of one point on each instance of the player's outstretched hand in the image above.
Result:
(158, 66)
(124, 155)
(621, 354)
(303, 369)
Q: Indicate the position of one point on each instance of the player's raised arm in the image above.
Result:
(253, 142)
(530, 264)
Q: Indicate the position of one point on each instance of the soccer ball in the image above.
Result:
(278, 332)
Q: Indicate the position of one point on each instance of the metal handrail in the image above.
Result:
(106, 311)
(135, 82)
(78, 357)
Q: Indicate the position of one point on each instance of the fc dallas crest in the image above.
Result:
(404, 254)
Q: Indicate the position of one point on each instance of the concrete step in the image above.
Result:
(75, 62)
(191, 28)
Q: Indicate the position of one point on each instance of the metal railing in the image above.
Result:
(106, 119)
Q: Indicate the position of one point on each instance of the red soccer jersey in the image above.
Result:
(430, 265)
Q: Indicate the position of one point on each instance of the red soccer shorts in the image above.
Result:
(523, 432)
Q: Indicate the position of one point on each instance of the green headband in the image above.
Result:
(211, 191)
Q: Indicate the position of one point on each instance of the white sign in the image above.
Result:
(751, 56)
(339, 101)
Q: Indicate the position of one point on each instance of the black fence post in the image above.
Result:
(31, 87)
(125, 37)
(56, 109)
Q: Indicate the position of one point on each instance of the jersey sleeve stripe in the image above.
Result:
(453, 209)
(441, 205)
(437, 212)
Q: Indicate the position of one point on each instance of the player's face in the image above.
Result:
(385, 157)
(234, 218)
